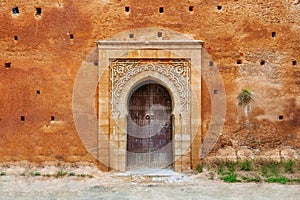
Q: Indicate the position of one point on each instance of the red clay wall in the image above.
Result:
(44, 58)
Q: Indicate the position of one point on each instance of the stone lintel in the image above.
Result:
(151, 44)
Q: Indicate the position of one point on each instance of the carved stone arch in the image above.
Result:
(155, 78)
(174, 76)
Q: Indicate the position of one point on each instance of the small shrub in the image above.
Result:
(246, 165)
(245, 97)
(274, 168)
(282, 180)
(37, 174)
(289, 166)
(199, 168)
(71, 174)
(264, 171)
(2, 173)
(230, 166)
(297, 180)
(211, 175)
(270, 169)
(220, 169)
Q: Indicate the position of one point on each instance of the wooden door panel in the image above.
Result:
(149, 128)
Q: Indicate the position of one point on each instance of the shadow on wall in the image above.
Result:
(293, 112)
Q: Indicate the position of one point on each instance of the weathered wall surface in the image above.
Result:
(46, 51)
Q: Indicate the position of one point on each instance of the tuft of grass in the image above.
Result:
(220, 168)
(274, 168)
(85, 175)
(71, 174)
(282, 180)
(270, 169)
(211, 175)
(34, 174)
(230, 178)
(2, 173)
(297, 180)
(230, 166)
(60, 173)
(81, 175)
(246, 165)
(37, 174)
(264, 171)
(199, 168)
(47, 175)
(253, 179)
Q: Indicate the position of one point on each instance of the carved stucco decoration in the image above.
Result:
(176, 70)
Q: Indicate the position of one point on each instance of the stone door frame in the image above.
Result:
(113, 94)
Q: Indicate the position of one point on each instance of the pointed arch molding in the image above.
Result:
(176, 71)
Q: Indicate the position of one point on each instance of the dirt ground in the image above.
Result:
(45, 183)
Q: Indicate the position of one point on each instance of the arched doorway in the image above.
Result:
(149, 128)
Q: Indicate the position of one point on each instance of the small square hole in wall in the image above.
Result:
(15, 10)
(273, 34)
(191, 8)
(71, 36)
(211, 63)
(22, 118)
(131, 35)
(38, 12)
(161, 9)
(159, 34)
(239, 62)
(127, 8)
(262, 62)
(7, 65)
(38, 92)
(15, 38)
(280, 117)
(219, 7)
(215, 91)
(294, 62)
(52, 118)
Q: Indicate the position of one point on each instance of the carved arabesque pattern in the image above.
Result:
(176, 70)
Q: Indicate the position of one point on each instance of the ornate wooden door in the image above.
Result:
(149, 131)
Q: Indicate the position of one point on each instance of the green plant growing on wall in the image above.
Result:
(245, 97)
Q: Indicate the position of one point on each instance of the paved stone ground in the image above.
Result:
(132, 186)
